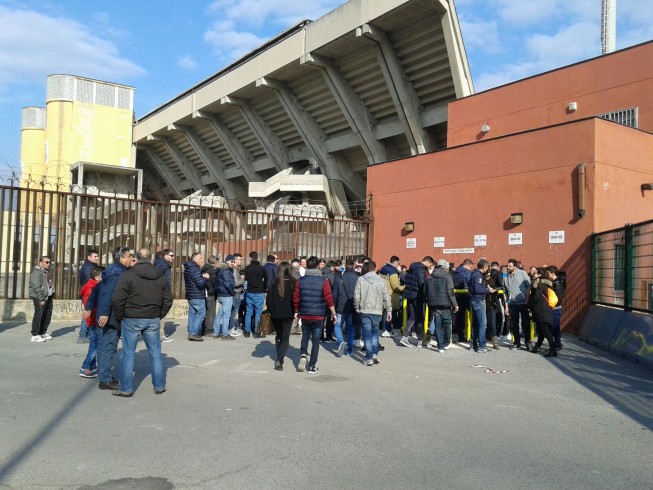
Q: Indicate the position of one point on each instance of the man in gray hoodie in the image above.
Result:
(370, 299)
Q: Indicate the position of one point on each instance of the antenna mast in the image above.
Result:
(608, 25)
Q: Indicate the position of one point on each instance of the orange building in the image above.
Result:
(566, 152)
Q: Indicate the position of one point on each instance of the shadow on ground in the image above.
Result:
(630, 390)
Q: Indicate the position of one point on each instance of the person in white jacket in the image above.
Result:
(370, 299)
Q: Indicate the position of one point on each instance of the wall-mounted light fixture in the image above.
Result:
(516, 218)
(647, 187)
(409, 226)
(485, 128)
(572, 107)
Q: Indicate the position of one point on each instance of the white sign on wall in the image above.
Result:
(458, 251)
(438, 242)
(480, 240)
(557, 236)
(411, 242)
(514, 239)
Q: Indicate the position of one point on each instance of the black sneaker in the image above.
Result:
(278, 366)
(227, 337)
(112, 385)
(247, 334)
(312, 370)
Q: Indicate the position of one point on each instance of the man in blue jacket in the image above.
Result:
(477, 292)
(271, 269)
(225, 291)
(461, 281)
(415, 293)
(195, 283)
(123, 259)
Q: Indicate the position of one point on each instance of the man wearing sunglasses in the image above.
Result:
(41, 290)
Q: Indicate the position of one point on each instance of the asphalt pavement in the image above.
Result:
(419, 419)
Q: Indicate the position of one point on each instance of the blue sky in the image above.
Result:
(163, 48)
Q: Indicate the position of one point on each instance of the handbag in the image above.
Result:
(265, 325)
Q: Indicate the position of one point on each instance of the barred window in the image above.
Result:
(627, 117)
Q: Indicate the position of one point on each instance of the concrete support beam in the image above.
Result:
(462, 77)
(238, 152)
(272, 145)
(401, 90)
(313, 137)
(189, 171)
(213, 164)
(358, 116)
(161, 169)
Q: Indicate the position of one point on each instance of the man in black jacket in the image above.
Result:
(209, 317)
(442, 301)
(255, 296)
(141, 299)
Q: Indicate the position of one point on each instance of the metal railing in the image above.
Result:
(65, 225)
(622, 267)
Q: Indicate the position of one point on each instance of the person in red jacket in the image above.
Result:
(89, 366)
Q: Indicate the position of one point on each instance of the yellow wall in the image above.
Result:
(77, 130)
(32, 153)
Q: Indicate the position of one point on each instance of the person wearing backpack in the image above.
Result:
(541, 303)
(441, 300)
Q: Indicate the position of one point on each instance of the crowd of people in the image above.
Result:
(352, 303)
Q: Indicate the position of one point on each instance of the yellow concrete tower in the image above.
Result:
(86, 121)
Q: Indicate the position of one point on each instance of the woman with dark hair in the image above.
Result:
(542, 314)
(279, 303)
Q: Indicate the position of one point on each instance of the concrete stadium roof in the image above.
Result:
(366, 83)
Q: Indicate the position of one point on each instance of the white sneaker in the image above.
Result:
(404, 341)
(167, 339)
(235, 333)
(433, 343)
(37, 338)
(46, 336)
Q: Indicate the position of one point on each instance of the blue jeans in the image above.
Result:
(479, 324)
(223, 318)
(440, 319)
(107, 347)
(149, 329)
(254, 302)
(196, 312)
(83, 329)
(234, 309)
(370, 329)
(348, 320)
(337, 329)
(311, 329)
(94, 339)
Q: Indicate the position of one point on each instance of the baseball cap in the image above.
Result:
(229, 258)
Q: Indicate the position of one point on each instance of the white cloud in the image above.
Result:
(573, 43)
(186, 62)
(33, 45)
(229, 43)
(280, 12)
(524, 14)
(241, 21)
(480, 35)
(546, 52)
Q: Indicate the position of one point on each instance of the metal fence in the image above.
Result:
(65, 226)
(622, 267)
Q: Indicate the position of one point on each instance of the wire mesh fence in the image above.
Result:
(622, 267)
(65, 225)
